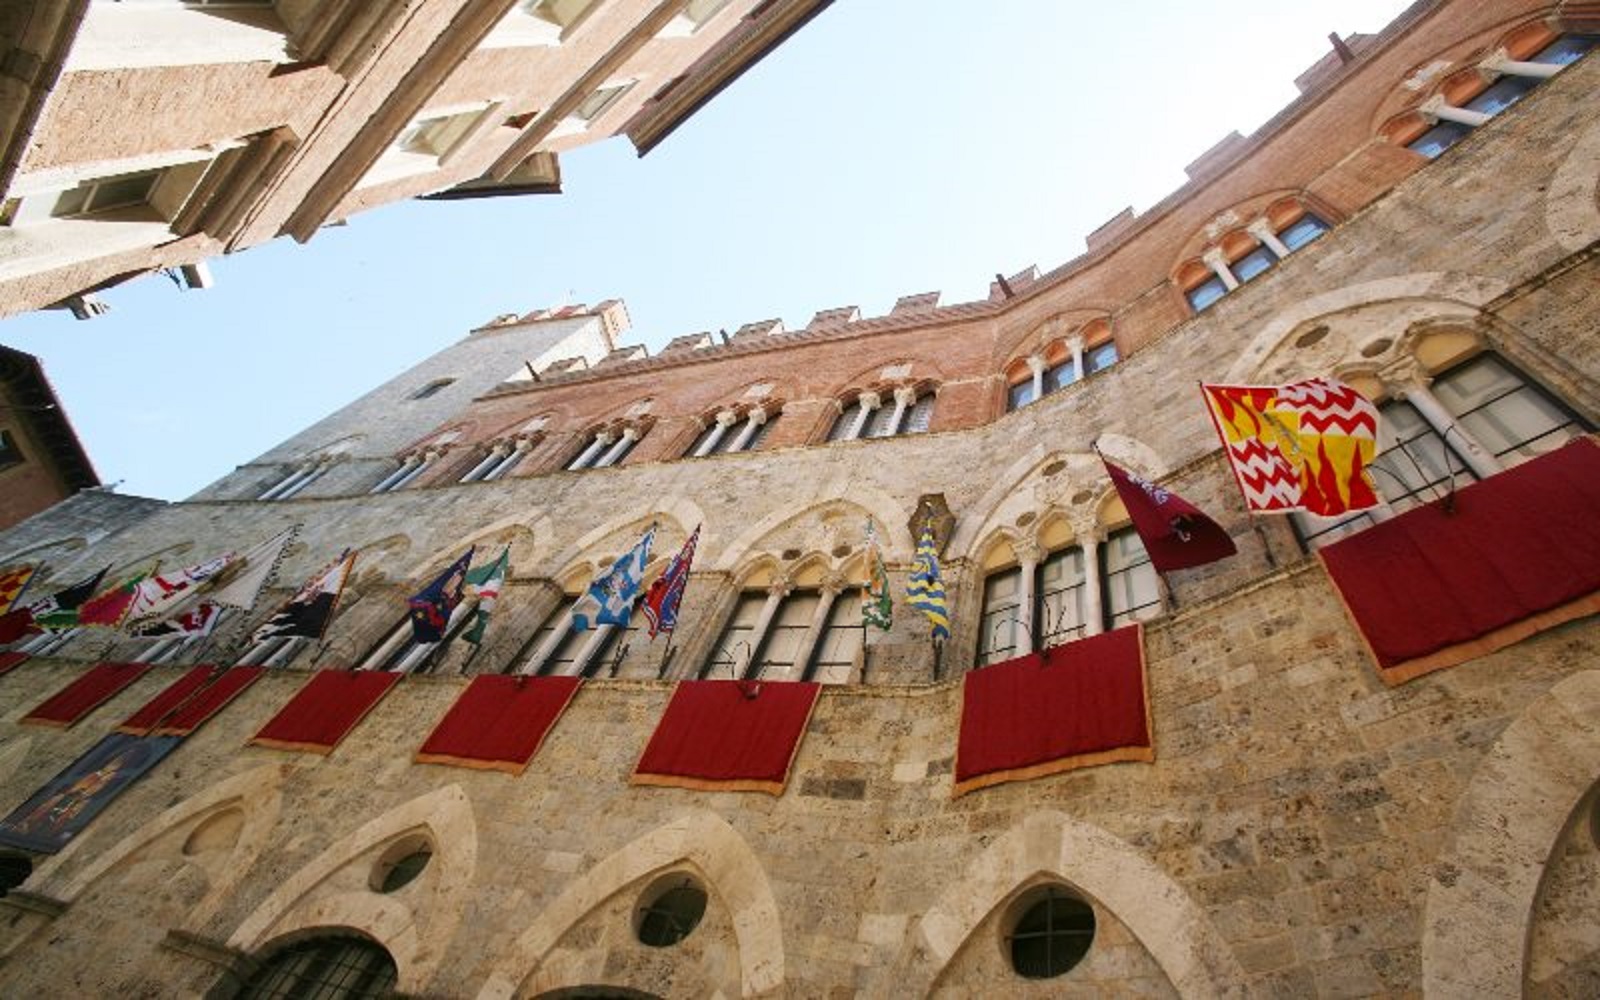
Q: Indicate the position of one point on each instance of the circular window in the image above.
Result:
(400, 866)
(1052, 935)
(673, 910)
(1312, 336)
(14, 870)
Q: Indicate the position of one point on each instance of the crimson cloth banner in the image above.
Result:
(728, 736)
(209, 700)
(499, 722)
(85, 694)
(210, 687)
(60, 810)
(1175, 533)
(324, 711)
(1510, 556)
(9, 661)
(1075, 705)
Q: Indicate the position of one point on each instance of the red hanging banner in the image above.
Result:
(499, 722)
(10, 660)
(323, 712)
(84, 695)
(209, 700)
(738, 736)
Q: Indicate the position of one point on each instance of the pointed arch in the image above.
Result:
(257, 793)
(1006, 500)
(702, 839)
(1454, 292)
(1485, 883)
(536, 525)
(417, 936)
(681, 511)
(892, 517)
(1171, 926)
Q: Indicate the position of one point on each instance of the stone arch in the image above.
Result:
(1486, 882)
(1009, 497)
(894, 533)
(1572, 201)
(70, 545)
(1172, 927)
(417, 936)
(527, 532)
(702, 839)
(12, 755)
(257, 793)
(681, 511)
(1439, 292)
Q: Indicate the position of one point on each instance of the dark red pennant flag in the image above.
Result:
(1176, 533)
(17, 624)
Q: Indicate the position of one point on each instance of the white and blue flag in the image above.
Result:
(609, 599)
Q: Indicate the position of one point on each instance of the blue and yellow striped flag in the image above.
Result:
(925, 589)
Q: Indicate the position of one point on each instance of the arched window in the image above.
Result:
(556, 647)
(770, 635)
(906, 410)
(330, 967)
(1048, 613)
(1240, 256)
(1425, 441)
(1128, 580)
(14, 870)
(608, 447)
(433, 388)
(400, 652)
(734, 430)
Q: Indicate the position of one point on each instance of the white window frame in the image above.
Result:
(157, 33)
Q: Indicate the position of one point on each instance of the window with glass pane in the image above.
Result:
(1019, 395)
(1564, 50)
(560, 660)
(788, 629)
(121, 191)
(608, 657)
(606, 458)
(1061, 592)
(1302, 231)
(1002, 616)
(1205, 293)
(847, 419)
(1132, 590)
(735, 648)
(1060, 376)
(842, 639)
(760, 434)
(1253, 264)
(1503, 93)
(1507, 414)
(878, 424)
(919, 416)
(1099, 358)
(1439, 138)
(327, 968)
(701, 438)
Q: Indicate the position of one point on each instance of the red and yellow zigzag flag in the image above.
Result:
(12, 583)
(1302, 446)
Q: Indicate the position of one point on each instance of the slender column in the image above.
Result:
(752, 423)
(547, 648)
(586, 458)
(903, 398)
(592, 646)
(775, 595)
(818, 625)
(1501, 62)
(490, 461)
(724, 420)
(1094, 614)
(285, 483)
(311, 477)
(428, 458)
(516, 455)
(284, 652)
(1028, 561)
(1262, 230)
(1075, 344)
(868, 401)
(1219, 266)
(388, 482)
(1036, 363)
(614, 454)
(1436, 109)
(1414, 390)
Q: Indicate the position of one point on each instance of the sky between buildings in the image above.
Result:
(890, 147)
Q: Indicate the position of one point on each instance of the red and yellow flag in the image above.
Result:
(1303, 446)
(12, 583)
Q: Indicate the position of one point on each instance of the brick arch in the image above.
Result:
(1170, 925)
(256, 793)
(701, 839)
(1441, 292)
(416, 936)
(1232, 220)
(1485, 883)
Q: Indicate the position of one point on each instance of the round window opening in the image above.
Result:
(400, 866)
(671, 911)
(1052, 934)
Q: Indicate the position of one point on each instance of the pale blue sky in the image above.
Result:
(890, 147)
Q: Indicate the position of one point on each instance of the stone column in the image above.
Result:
(1028, 561)
(775, 595)
(831, 588)
(615, 452)
(591, 647)
(725, 419)
(904, 397)
(1262, 230)
(1036, 364)
(586, 457)
(752, 423)
(490, 461)
(1075, 345)
(1435, 109)
(517, 453)
(1094, 615)
(1408, 382)
(536, 662)
(1218, 263)
(1501, 62)
(869, 401)
(428, 458)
